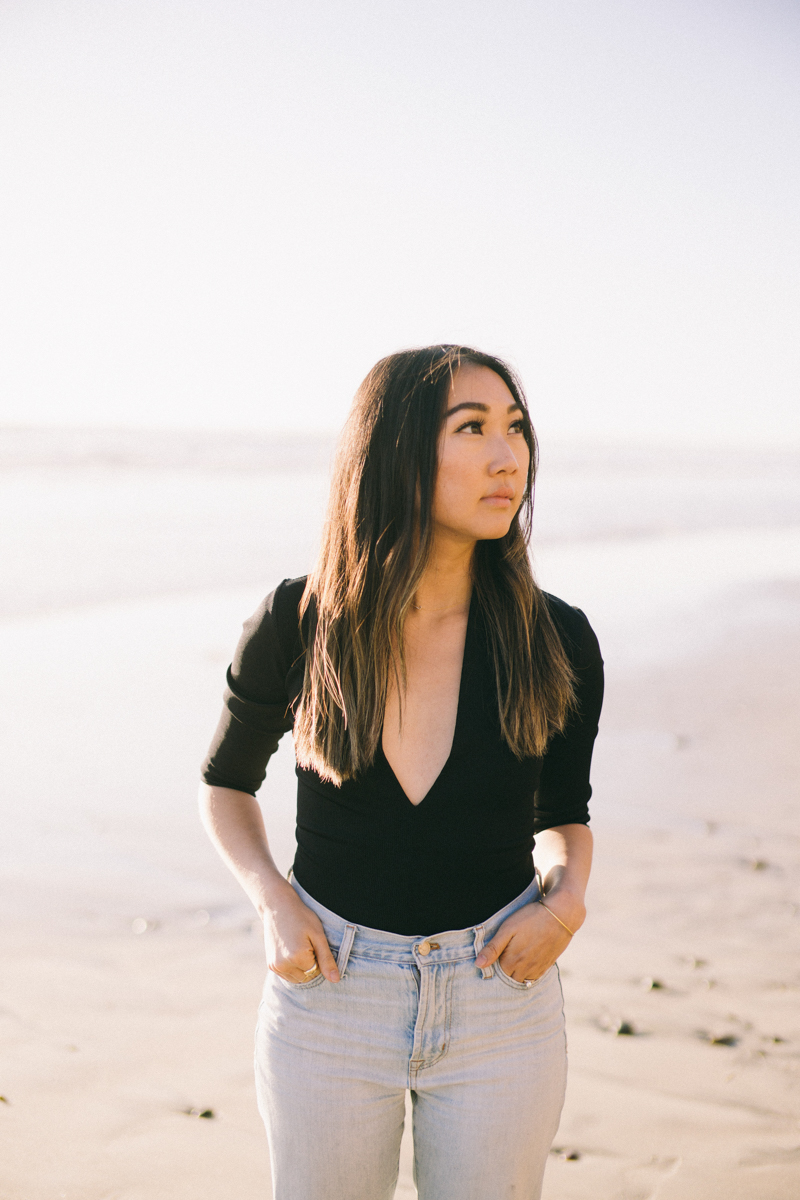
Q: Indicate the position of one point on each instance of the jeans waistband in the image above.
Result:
(451, 946)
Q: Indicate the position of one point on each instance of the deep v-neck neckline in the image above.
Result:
(456, 727)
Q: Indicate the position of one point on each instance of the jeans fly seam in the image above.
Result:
(417, 1061)
(425, 999)
(442, 973)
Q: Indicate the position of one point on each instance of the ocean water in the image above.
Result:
(130, 561)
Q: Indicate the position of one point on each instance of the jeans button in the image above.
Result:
(424, 948)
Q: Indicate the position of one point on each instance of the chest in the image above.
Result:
(421, 715)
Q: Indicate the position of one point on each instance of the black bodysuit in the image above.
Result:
(363, 849)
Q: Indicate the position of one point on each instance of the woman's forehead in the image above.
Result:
(481, 387)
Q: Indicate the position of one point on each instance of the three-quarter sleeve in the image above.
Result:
(257, 706)
(562, 797)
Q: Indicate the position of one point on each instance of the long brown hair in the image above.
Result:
(376, 544)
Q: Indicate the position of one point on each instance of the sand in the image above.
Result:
(110, 1037)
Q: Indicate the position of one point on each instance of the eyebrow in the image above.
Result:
(476, 407)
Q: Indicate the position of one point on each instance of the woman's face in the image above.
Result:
(483, 458)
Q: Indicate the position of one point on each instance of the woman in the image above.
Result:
(444, 711)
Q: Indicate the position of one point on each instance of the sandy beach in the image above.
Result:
(132, 967)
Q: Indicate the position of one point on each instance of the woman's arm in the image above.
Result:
(530, 941)
(564, 857)
(293, 934)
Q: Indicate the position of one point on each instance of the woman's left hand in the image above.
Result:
(528, 943)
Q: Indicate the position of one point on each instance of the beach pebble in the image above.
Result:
(652, 985)
(616, 1025)
(139, 925)
(718, 1039)
(205, 1113)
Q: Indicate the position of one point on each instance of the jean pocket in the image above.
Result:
(306, 986)
(524, 985)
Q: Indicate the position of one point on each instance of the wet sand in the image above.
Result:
(112, 1037)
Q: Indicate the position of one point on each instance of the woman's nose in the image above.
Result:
(502, 459)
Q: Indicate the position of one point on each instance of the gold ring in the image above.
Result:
(312, 970)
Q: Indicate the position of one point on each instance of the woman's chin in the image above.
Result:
(493, 530)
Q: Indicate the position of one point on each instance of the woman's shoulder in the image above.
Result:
(580, 640)
(271, 641)
(284, 600)
(281, 605)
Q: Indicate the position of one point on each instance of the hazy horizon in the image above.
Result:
(551, 441)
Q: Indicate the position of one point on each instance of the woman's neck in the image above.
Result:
(446, 585)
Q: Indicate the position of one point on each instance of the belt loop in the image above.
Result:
(480, 934)
(345, 948)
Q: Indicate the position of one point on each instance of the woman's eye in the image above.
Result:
(472, 426)
(517, 427)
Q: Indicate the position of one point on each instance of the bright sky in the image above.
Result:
(220, 213)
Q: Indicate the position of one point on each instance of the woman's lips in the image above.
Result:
(499, 499)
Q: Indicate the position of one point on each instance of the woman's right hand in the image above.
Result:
(295, 941)
(293, 935)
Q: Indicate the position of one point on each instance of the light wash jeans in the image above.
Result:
(484, 1057)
